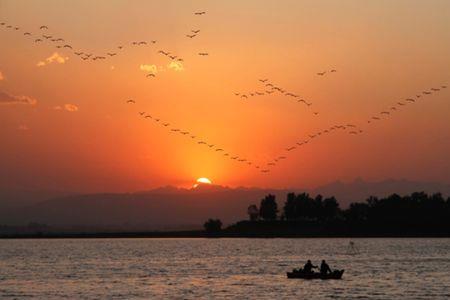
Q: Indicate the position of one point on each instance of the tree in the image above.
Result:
(253, 212)
(212, 226)
(330, 208)
(289, 209)
(268, 208)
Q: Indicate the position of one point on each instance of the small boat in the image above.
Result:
(336, 274)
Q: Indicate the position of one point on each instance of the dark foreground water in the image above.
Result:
(221, 269)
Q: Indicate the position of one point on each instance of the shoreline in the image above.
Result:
(203, 234)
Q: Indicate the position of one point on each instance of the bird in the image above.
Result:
(148, 117)
(290, 148)
(43, 27)
(353, 132)
(190, 35)
(46, 36)
(184, 132)
(400, 103)
(264, 80)
(142, 43)
(333, 71)
(321, 73)
(410, 100)
(67, 46)
(16, 28)
(393, 108)
(443, 86)
(142, 113)
(26, 33)
(385, 113)
(316, 113)
(210, 145)
(153, 42)
(218, 150)
(37, 40)
(111, 54)
(150, 75)
(203, 54)
(174, 129)
(165, 124)
(78, 53)
(375, 118)
(195, 31)
(172, 56)
(282, 157)
(201, 143)
(193, 136)
(131, 101)
(199, 13)
(426, 93)
(265, 171)
(244, 96)
(120, 47)
(435, 89)
(271, 164)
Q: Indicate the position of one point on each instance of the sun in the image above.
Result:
(202, 180)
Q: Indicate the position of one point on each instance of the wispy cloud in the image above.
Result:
(23, 127)
(9, 99)
(68, 107)
(149, 68)
(55, 57)
(177, 66)
(71, 107)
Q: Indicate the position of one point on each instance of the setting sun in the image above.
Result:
(202, 180)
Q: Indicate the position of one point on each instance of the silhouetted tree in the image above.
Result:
(268, 208)
(213, 226)
(253, 212)
(330, 208)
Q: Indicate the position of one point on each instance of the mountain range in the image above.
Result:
(175, 208)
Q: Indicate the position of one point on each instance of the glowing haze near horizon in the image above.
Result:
(76, 132)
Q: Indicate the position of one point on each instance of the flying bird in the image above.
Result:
(195, 31)
(199, 13)
(142, 113)
(131, 101)
(191, 35)
(37, 40)
(290, 148)
(26, 33)
(203, 54)
(111, 54)
(321, 73)
(43, 27)
(150, 75)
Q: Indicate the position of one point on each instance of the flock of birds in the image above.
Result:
(58, 42)
(266, 167)
(268, 88)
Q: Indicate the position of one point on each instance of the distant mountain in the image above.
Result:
(171, 207)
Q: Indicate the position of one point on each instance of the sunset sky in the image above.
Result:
(65, 123)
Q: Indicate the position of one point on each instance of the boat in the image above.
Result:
(336, 274)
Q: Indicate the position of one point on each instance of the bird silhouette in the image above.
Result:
(150, 75)
(26, 33)
(200, 13)
(321, 73)
(190, 35)
(195, 31)
(203, 54)
(37, 40)
(131, 101)
(43, 27)
(111, 54)
(290, 148)
(142, 113)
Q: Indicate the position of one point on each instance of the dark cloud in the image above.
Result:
(6, 98)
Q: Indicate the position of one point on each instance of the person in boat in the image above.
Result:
(307, 268)
(324, 268)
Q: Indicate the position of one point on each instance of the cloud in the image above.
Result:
(23, 127)
(1, 76)
(67, 107)
(149, 68)
(71, 107)
(6, 98)
(55, 57)
(177, 66)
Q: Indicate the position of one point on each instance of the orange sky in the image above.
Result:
(64, 123)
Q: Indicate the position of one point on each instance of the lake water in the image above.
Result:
(221, 269)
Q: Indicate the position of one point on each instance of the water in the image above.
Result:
(221, 269)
